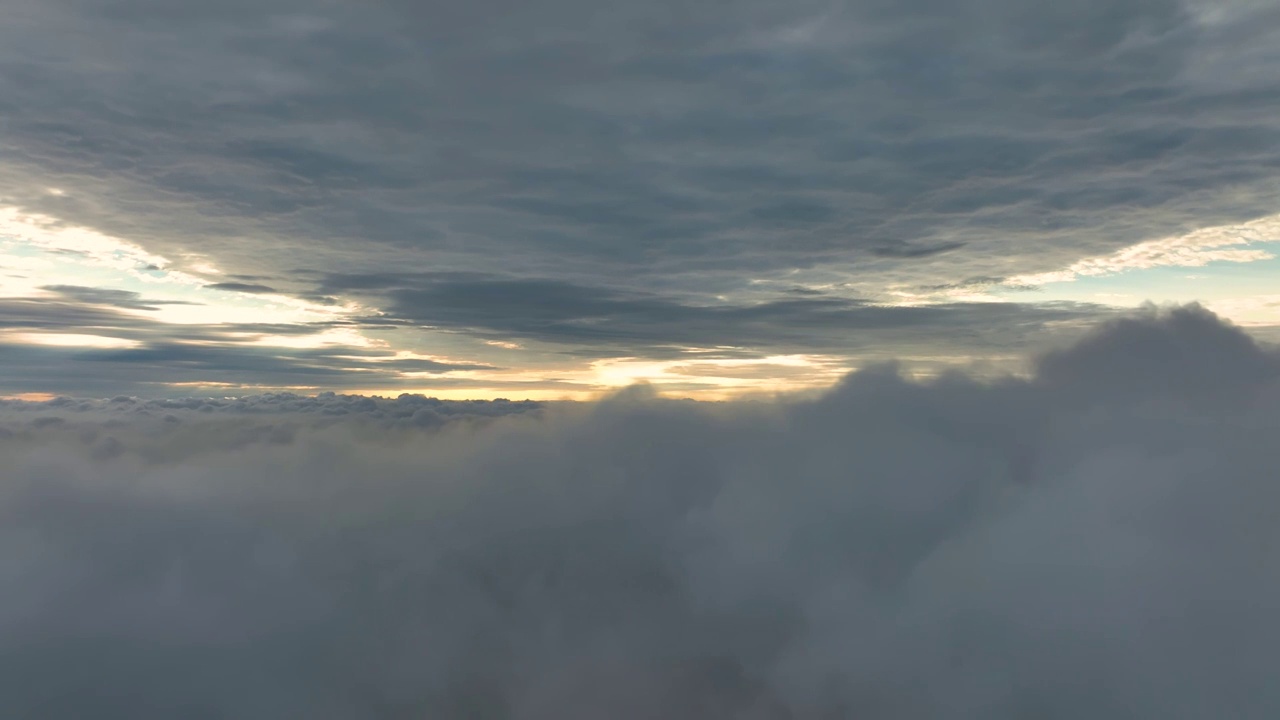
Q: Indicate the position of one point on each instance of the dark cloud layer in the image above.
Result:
(243, 287)
(1095, 541)
(681, 149)
(126, 299)
(603, 320)
(163, 368)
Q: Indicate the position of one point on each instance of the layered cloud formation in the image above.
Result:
(1098, 540)
(540, 187)
(634, 146)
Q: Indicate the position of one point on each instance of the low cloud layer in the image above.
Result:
(1098, 540)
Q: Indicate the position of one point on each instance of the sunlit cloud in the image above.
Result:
(38, 250)
(51, 234)
(68, 340)
(906, 298)
(718, 376)
(1258, 310)
(341, 336)
(1226, 243)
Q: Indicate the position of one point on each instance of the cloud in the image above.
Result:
(677, 150)
(621, 181)
(126, 299)
(1092, 541)
(269, 414)
(1196, 249)
(915, 252)
(242, 287)
(598, 318)
(165, 368)
(87, 343)
(94, 341)
(1130, 357)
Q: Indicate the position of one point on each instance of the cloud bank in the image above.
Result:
(537, 188)
(684, 151)
(1097, 540)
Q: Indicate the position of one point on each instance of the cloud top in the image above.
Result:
(1093, 541)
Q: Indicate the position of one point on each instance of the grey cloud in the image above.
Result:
(1129, 356)
(595, 321)
(235, 422)
(567, 314)
(663, 147)
(952, 549)
(242, 287)
(161, 368)
(55, 315)
(916, 252)
(340, 282)
(108, 296)
(95, 310)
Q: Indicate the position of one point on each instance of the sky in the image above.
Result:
(554, 200)
(697, 360)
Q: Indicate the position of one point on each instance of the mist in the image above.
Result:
(1099, 539)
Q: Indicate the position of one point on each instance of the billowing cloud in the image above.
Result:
(1096, 540)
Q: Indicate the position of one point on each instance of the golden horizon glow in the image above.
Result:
(87, 340)
(41, 251)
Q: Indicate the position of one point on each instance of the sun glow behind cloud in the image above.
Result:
(719, 376)
(37, 252)
(50, 234)
(84, 340)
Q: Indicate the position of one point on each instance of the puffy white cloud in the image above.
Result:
(1098, 540)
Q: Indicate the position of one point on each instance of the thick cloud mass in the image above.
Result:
(1097, 541)
(682, 149)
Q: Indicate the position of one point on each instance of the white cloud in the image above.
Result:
(1196, 249)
